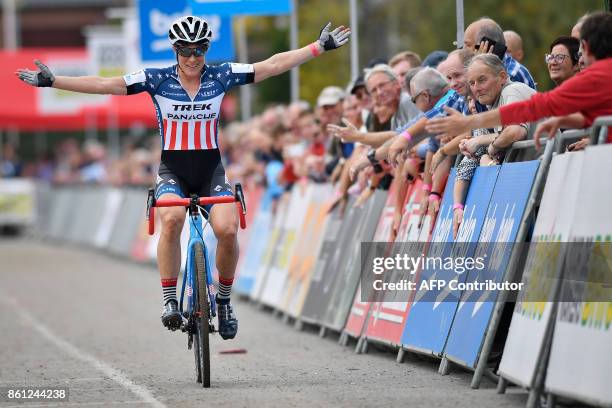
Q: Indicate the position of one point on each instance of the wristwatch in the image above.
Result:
(372, 156)
(375, 163)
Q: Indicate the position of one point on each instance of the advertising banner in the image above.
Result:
(387, 318)
(307, 247)
(155, 18)
(17, 202)
(322, 289)
(500, 229)
(435, 303)
(525, 340)
(581, 353)
(273, 291)
(130, 219)
(260, 230)
(270, 252)
(112, 203)
(242, 7)
(349, 268)
(362, 302)
(252, 198)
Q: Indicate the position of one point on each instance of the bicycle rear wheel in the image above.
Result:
(202, 313)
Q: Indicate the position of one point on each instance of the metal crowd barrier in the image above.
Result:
(599, 130)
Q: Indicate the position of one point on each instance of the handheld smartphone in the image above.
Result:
(498, 49)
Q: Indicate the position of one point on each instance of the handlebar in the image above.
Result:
(195, 201)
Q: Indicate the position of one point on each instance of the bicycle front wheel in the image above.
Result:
(202, 313)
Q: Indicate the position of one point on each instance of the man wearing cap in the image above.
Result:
(329, 111)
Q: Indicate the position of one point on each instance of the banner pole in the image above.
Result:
(354, 21)
(245, 91)
(460, 22)
(295, 72)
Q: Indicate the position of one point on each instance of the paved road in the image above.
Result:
(79, 319)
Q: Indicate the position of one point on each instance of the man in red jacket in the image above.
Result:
(574, 104)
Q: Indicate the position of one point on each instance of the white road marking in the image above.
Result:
(142, 392)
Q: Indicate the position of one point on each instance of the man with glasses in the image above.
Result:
(576, 103)
(385, 90)
(187, 98)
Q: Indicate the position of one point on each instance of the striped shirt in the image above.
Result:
(187, 123)
(517, 72)
(451, 99)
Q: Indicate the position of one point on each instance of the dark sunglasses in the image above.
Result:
(188, 52)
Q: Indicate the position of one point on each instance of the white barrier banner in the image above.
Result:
(275, 285)
(271, 250)
(581, 352)
(526, 335)
(108, 217)
(16, 202)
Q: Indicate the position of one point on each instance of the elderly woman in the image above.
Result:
(489, 85)
(562, 61)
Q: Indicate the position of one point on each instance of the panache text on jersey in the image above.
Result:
(192, 108)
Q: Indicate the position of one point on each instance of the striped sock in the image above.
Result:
(225, 290)
(169, 288)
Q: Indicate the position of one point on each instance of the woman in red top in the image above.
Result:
(574, 104)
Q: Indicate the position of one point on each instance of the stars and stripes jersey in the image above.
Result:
(186, 123)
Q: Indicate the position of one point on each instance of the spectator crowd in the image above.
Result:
(402, 118)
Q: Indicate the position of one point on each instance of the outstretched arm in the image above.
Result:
(456, 123)
(84, 84)
(284, 61)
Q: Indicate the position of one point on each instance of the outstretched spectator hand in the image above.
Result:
(449, 126)
(432, 211)
(579, 145)
(396, 150)
(395, 226)
(550, 126)
(423, 207)
(468, 147)
(457, 220)
(358, 165)
(438, 157)
(349, 133)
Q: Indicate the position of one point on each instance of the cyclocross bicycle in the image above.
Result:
(197, 278)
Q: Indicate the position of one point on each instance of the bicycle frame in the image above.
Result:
(195, 235)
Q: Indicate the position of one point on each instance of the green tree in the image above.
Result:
(390, 26)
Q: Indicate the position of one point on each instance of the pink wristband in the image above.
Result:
(314, 50)
(433, 197)
(406, 135)
(458, 205)
(426, 187)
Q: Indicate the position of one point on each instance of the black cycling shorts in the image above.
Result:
(186, 172)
